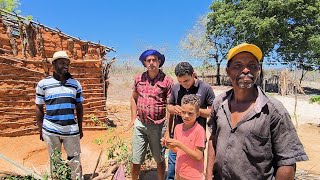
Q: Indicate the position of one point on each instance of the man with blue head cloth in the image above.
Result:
(151, 91)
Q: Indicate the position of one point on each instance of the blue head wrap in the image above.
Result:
(149, 52)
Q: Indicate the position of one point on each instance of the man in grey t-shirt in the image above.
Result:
(252, 136)
(188, 84)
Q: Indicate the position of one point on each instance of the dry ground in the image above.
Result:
(32, 153)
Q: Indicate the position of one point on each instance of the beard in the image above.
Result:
(62, 71)
(246, 80)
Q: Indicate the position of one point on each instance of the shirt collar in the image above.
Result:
(261, 100)
(159, 76)
(196, 82)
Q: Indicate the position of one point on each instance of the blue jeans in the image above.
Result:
(171, 165)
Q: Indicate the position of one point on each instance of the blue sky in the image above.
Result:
(128, 26)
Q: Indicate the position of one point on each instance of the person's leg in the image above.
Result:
(135, 170)
(171, 165)
(139, 148)
(73, 150)
(161, 170)
(54, 144)
(155, 133)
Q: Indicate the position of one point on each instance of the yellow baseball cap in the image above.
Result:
(245, 47)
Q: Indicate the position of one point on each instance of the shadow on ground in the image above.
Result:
(309, 90)
(150, 174)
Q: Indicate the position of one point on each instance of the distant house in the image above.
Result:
(25, 47)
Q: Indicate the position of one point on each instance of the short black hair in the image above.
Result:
(191, 99)
(183, 68)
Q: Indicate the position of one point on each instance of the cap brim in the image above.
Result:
(59, 57)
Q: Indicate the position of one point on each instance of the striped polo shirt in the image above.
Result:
(60, 100)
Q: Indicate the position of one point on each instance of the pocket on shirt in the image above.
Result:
(161, 89)
(142, 87)
(257, 148)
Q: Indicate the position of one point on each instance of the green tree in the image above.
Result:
(9, 5)
(288, 29)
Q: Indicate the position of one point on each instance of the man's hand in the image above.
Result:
(163, 141)
(177, 110)
(81, 134)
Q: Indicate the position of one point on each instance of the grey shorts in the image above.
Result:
(144, 134)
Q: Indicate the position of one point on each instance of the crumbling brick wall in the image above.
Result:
(24, 51)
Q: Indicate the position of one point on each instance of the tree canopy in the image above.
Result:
(288, 29)
(9, 5)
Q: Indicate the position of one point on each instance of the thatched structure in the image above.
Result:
(288, 84)
(25, 47)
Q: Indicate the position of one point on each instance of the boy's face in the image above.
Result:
(189, 114)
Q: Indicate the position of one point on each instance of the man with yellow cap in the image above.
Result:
(252, 134)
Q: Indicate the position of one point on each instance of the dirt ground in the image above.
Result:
(30, 152)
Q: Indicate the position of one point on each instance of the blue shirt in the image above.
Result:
(60, 101)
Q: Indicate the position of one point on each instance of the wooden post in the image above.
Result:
(295, 96)
(12, 41)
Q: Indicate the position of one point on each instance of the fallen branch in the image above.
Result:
(95, 168)
(24, 169)
(111, 171)
(117, 118)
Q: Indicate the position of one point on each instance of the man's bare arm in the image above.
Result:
(205, 112)
(79, 109)
(210, 160)
(39, 118)
(170, 125)
(133, 107)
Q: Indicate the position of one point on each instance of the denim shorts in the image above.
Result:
(144, 135)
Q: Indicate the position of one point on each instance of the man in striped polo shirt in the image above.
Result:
(61, 95)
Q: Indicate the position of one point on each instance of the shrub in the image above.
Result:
(60, 168)
(314, 99)
(19, 178)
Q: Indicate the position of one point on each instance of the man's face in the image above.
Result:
(152, 63)
(61, 66)
(186, 80)
(244, 70)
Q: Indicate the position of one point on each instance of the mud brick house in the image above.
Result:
(25, 47)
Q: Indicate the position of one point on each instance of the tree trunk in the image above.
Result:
(261, 77)
(302, 76)
(218, 72)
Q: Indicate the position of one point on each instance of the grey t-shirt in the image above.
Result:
(201, 89)
(262, 141)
